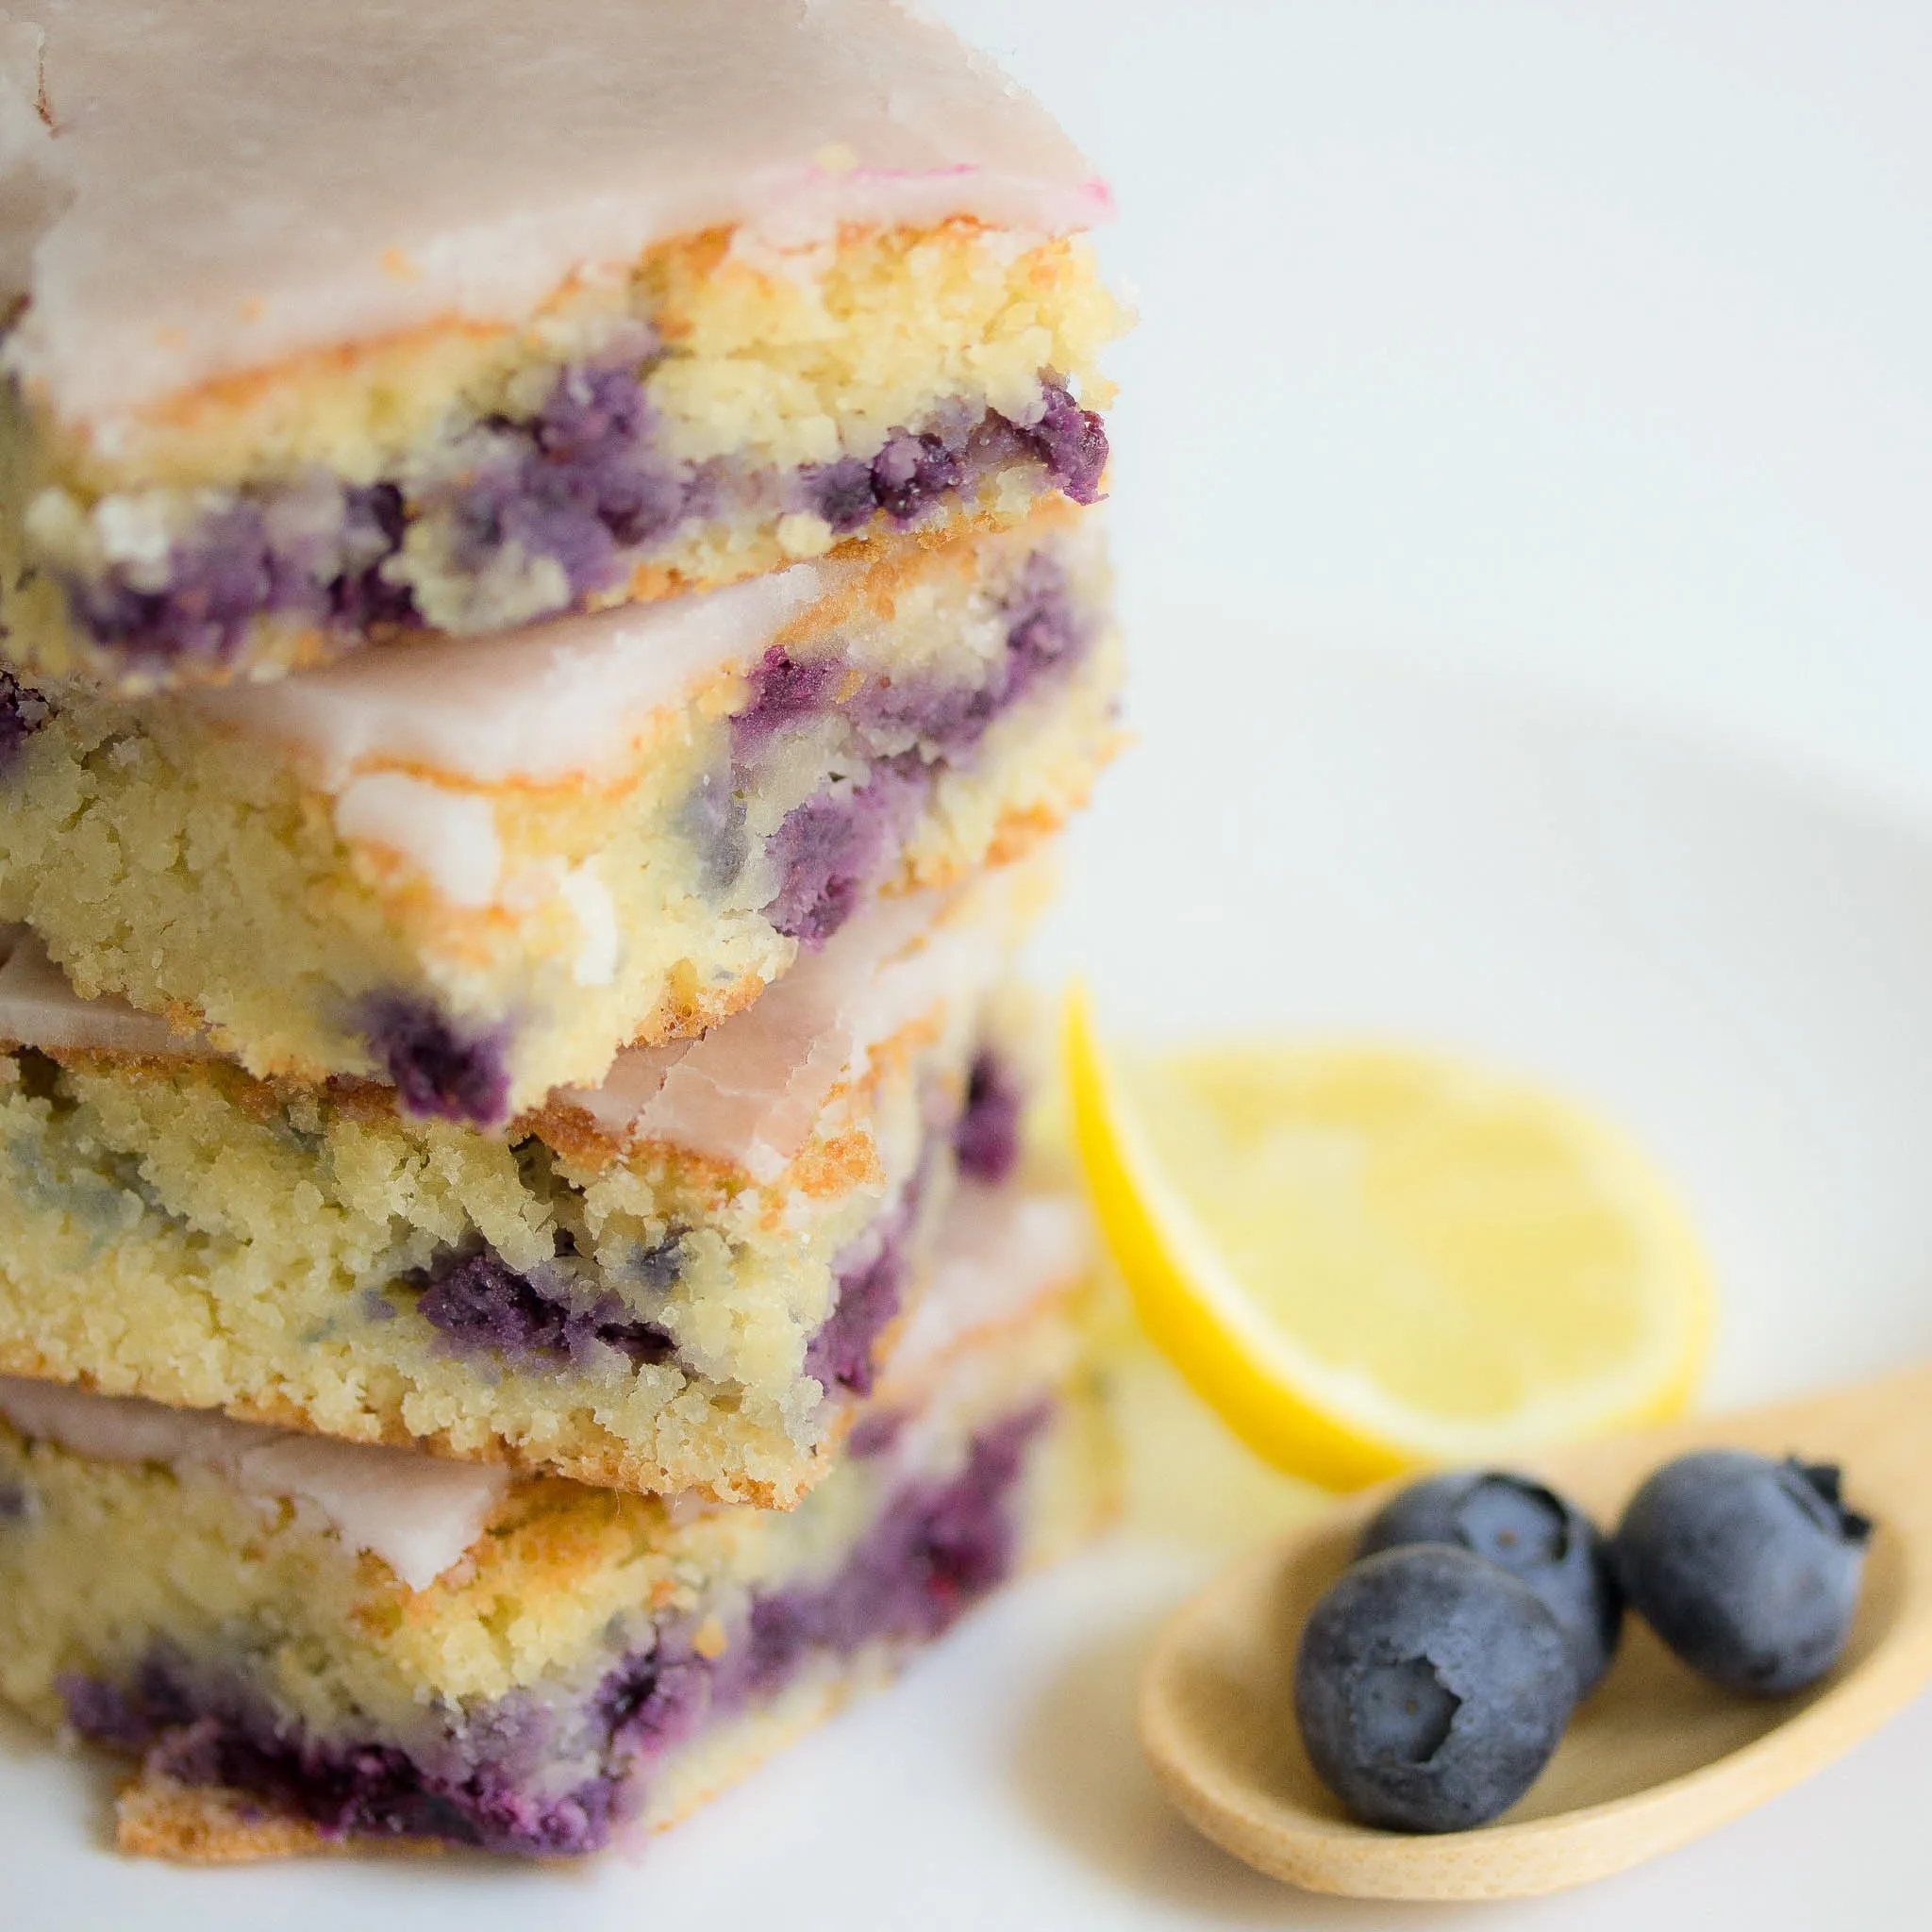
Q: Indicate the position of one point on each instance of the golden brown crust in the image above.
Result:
(385, 356)
(1017, 833)
(155, 1817)
(184, 1824)
(895, 562)
(205, 1825)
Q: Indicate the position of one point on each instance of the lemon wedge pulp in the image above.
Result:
(1366, 1258)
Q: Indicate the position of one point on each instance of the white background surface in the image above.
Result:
(1524, 465)
(1588, 337)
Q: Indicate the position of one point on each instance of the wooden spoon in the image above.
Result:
(1653, 1757)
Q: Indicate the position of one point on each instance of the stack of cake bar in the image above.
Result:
(551, 614)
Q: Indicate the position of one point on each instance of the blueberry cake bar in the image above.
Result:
(475, 869)
(335, 324)
(681, 1280)
(310, 1645)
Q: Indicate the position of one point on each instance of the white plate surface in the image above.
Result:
(1735, 968)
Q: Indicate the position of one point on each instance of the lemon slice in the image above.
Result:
(1366, 1258)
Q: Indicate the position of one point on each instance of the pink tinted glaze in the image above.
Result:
(539, 704)
(999, 1251)
(748, 1092)
(418, 1513)
(39, 1007)
(324, 175)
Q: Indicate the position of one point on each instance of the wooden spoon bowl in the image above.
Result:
(1653, 1756)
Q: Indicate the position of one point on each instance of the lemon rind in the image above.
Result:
(1299, 1414)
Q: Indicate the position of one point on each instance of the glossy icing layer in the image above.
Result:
(418, 1513)
(746, 1092)
(537, 704)
(307, 184)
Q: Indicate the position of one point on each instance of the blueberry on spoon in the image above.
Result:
(1431, 1686)
(1534, 1534)
(1747, 1568)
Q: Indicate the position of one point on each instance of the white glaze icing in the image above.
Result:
(539, 705)
(590, 899)
(997, 1252)
(39, 1007)
(418, 1513)
(248, 181)
(449, 837)
(747, 1093)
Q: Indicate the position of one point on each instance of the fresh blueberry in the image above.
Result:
(1747, 1568)
(1534, 1534)
(1431, 1686)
